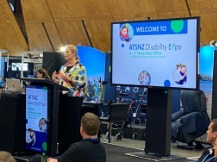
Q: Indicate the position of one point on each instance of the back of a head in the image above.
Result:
(44, 73)
(6, 157)
(90, 123)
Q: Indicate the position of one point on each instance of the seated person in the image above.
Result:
(211, 138)
(6, 157)
(215, 153)
(42, 73)
(87, 150)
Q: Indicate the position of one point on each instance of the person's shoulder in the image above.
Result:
(209, 150)
(205, 153)
(63, 66)
(76, 145)
(81, 66)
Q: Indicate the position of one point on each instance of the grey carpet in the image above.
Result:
(122, 154)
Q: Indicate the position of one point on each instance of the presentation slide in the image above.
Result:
(160, 53)
(36, 118)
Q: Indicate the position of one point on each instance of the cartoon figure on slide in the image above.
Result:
(180, 74)
(126, 32)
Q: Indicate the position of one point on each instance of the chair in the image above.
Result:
(192, 121)
(117, 112)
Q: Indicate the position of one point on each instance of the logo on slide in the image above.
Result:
(126, 32)
(177, 25)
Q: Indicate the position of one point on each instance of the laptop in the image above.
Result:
(13, 86)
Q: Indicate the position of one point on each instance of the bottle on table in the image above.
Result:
(43, 157)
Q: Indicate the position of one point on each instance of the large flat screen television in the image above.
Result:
(156, 53)
(37, 118)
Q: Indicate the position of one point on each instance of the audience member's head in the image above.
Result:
(90, 125)
(6, 157)
(42, 73)
(212, 132)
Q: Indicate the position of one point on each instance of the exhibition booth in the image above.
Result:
(147, 68)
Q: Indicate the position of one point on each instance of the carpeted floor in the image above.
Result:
(116, 153)
(123, 154)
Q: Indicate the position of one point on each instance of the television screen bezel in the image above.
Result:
(197, 18)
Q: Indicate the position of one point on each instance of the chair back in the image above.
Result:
(193, 101)
(119, 112)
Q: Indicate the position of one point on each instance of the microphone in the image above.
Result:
(24, 83)
(51, 66)
(48, 69)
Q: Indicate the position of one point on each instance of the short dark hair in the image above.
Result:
(214, 125)
(90, 123)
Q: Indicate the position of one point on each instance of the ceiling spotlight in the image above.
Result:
(62, 49)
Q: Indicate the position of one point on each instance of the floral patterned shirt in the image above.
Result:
(78, 73)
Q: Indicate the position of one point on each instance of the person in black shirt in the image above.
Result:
(208, 155)
(87, 150)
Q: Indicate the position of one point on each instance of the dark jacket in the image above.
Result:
(207, 156)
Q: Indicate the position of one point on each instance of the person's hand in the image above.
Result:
(66, 78)
(51, 160)
(55, 77)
